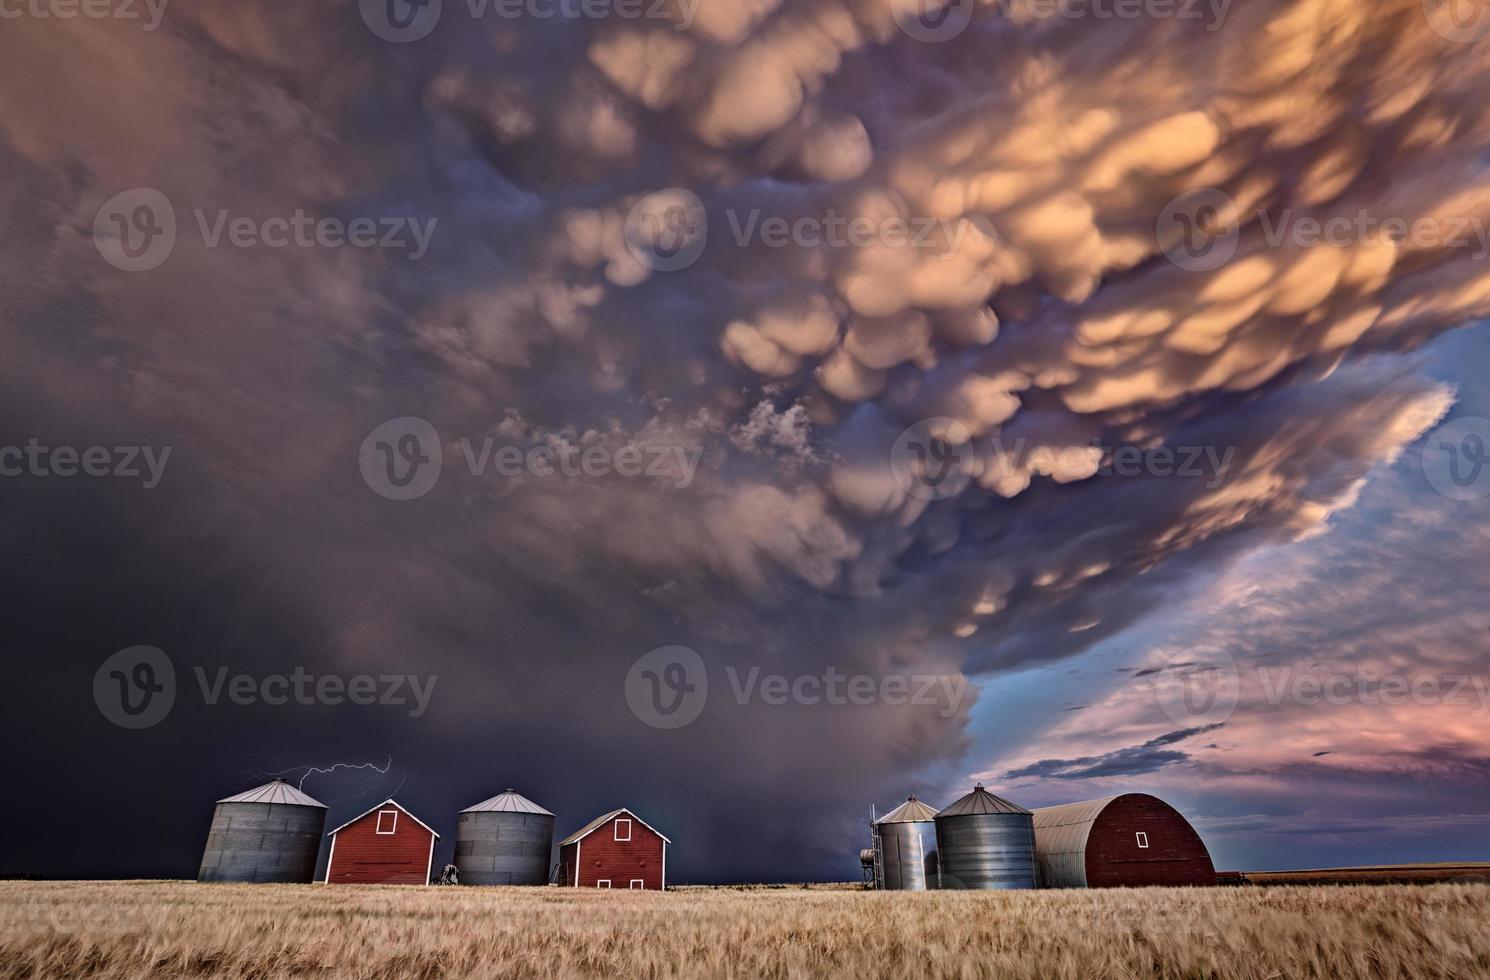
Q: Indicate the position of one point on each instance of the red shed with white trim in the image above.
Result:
(386, 845)
(615, 850)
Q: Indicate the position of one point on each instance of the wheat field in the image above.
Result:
(183, 929)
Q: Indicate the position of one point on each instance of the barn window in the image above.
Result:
(391, 824)
(638, 883)
(1143, 839)
(603, 883)
(623, 830)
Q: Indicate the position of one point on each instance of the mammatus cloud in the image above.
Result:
(1038, 310)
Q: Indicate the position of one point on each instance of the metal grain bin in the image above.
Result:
(506, 840)
(985, 842)
(268, 834)
(905, 848)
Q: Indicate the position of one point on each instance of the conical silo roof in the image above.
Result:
(277, 791)
(507, 801)
(911, 811)
(980, 801)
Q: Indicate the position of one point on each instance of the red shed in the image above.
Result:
(386, 845)
(616, 850)
(1122, 841)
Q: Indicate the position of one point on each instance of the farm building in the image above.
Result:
(386, 845)
(984, 842)
(905, 848)
(615, 850)
(271, 833)
(506, 840)
(1122, 841)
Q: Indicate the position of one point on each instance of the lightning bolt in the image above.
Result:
(313, 770)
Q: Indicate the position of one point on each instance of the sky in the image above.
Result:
(746, 413)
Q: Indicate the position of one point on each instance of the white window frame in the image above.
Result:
(617, 829)
(638, 883)
(1142, 838)
(378, 828)
(603, 883)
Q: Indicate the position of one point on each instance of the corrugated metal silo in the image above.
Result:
(985, 842)
(905, 847)
(271, 833)
(506, 840)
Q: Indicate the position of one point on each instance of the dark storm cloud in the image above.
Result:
(1050, 321)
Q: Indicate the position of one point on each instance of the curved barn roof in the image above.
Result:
(277, 791)
(507, 801)
(980, 801)
(911, 811)
(1064, 829)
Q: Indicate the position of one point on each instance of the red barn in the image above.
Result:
(386, 845)
(616, 850)
(1120, 842)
